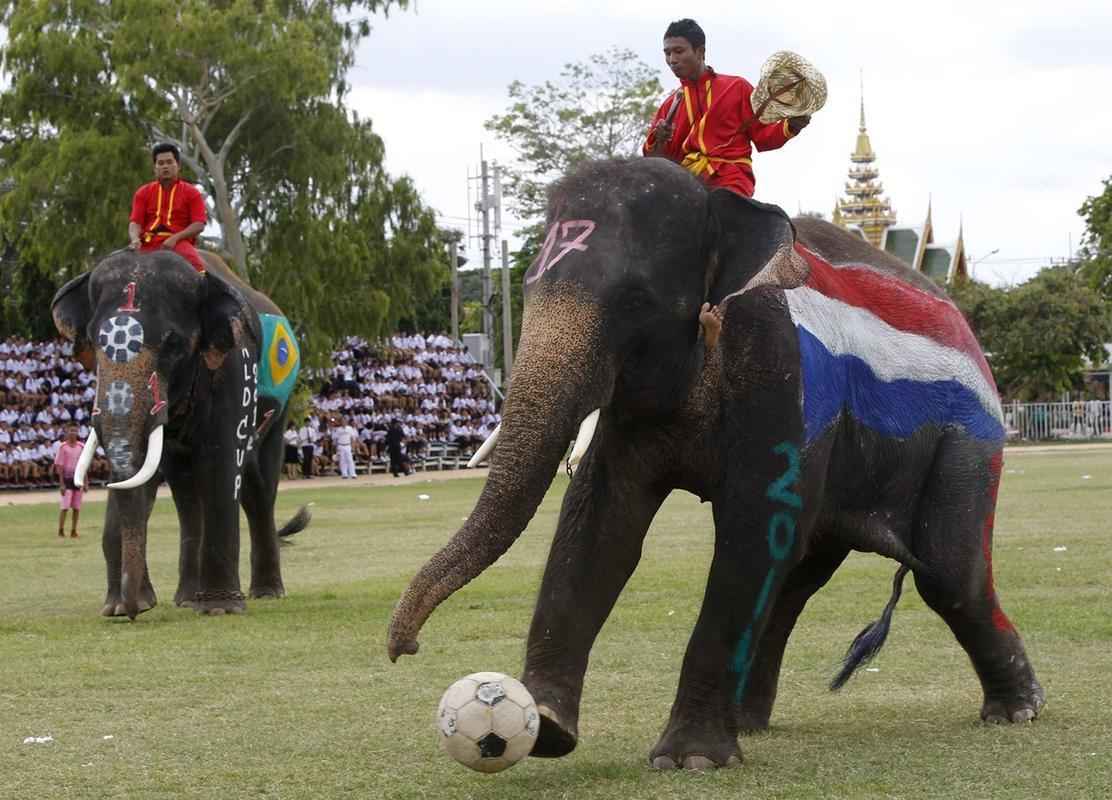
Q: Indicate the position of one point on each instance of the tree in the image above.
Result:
(252, 91)
(600, 108)
(1038, 335)
(1096, 248)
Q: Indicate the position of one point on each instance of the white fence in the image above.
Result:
(1079, 420)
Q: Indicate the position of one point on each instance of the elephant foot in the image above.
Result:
(270, 589)
(750, 723)
(114, 604)
(695, 747)
(752, 714)
(185, 596)
(556, 737)
(219, 602)
(1021, 706)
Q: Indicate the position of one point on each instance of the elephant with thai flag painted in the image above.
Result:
(845, 406)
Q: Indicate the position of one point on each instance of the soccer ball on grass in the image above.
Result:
(487, 721)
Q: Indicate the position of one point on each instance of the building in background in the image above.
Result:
(865, 211)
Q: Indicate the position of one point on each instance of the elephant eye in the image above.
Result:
(635, 300)
(171, 342)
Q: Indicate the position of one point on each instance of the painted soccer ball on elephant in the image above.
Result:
(487, 721)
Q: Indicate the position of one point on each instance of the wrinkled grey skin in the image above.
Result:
(613, 324)
(197, 339)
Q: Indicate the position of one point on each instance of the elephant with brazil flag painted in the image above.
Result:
(846, 406)
(194, 372)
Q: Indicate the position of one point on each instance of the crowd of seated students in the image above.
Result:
(431, 385)
(42, 391)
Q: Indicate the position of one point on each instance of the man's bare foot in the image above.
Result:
(710, 317)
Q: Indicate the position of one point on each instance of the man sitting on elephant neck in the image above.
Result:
(167, 213)
(709, 127)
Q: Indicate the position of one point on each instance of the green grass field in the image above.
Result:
(296, 699)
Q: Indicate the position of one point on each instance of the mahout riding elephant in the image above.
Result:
(194, 372)
(845, 407)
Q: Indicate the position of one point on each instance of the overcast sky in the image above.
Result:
(999, 113)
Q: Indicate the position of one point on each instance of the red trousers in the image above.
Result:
(183, 248)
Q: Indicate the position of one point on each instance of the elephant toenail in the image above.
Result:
(698, 763)
(663, 762)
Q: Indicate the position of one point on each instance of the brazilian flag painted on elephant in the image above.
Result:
(281, 359)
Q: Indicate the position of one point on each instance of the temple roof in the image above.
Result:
(863, 205)
(866, 212)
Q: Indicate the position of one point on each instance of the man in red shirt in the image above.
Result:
(167, 213)
(709, 125)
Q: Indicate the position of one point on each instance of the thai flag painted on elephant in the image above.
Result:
(890, 355)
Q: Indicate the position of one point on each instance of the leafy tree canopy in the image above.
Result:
(599, 108)
(1097, 246)
(1039, 334)
(253, 92)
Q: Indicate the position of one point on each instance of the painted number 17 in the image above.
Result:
(560, 235)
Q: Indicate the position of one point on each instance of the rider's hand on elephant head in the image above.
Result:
(796, 124)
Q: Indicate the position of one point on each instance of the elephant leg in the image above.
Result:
(260, 488)
(219, 590)
(126, 507)
(179, 473)
(810, 575)
(756, 520)
(596, 548)
(954, 541)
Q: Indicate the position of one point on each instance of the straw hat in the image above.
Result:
(789, 87)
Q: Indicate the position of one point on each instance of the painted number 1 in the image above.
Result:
(129, 290)
(560, 235)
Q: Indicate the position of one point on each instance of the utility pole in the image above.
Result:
(451, 239)
(485, 206)
(507, 319)
(453, 258)
(489, 201)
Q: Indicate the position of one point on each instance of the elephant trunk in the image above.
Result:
(130, 426)
(560, 377)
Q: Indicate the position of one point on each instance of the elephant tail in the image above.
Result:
(299, 522)
(871, 639)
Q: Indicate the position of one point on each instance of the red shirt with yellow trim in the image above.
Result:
(714, 131)
(163, 212)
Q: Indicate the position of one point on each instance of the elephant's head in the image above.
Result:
(147, 324)
(632, 250)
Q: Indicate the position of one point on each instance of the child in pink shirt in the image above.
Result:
(65, 464)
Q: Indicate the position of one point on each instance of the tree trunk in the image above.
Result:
(231, 236)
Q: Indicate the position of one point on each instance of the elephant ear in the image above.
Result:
(227, 320)
(753, 247)
(71, 309)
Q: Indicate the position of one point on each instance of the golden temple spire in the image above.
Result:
(863, 205)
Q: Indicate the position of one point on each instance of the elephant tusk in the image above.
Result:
(87, 453)
(583, 439)
(485, 447)
(150, 463)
